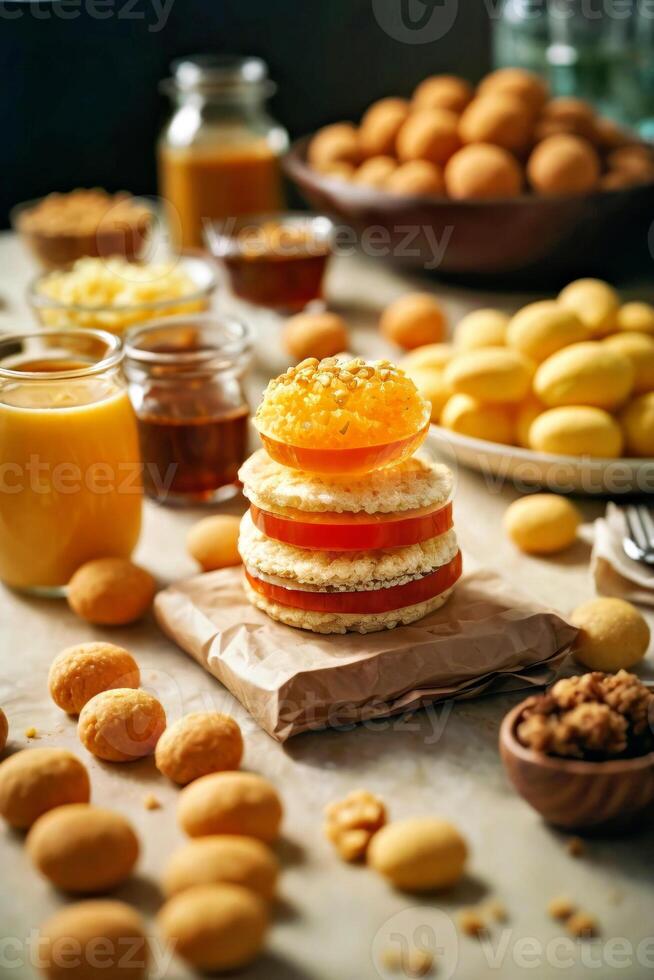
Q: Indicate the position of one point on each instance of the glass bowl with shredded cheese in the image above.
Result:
(342, 416)
(114, 294)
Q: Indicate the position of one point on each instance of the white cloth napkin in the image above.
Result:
(614, 573)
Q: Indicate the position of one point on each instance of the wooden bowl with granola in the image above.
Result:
(582, 754)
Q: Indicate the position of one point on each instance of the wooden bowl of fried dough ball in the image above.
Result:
(501, 180)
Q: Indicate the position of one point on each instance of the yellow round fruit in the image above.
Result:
(542, 523)
(576, 430)
(585, 374)
(595, 303)
(637, 419)
(432, 386)
(419, 854)
(639, 348)
(468, 417)
(414, 320)
(636, 316)
(492, 375)
(481, 328)
(213, 541)
(613, 634)
(526, 412)
(541, 329)
(434, 356)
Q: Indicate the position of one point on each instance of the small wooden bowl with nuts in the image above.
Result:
(590, 796)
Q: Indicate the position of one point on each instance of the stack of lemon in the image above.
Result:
(572, 376)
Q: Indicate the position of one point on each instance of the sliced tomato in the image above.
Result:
(373, 601)
(361, 459)
(353, 532)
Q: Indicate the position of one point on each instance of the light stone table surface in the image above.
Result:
(335, 921)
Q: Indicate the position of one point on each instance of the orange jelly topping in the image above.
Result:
(338, 404)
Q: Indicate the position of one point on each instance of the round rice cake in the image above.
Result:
(332, 622)
(411, 485)
(336, 571)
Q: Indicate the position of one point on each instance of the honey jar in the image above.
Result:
(219, 152)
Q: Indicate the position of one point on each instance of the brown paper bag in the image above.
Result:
(486, 638)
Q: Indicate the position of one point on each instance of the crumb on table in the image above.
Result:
(471, 922)
(575, 847)
(31, 732)
(582, 925)
(561, 907)
(150, 802)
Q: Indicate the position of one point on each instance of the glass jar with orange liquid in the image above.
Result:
(70, 469)
(219, 153)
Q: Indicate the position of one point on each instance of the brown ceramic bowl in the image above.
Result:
(529, 239)
(600, 797)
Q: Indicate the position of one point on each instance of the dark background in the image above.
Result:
(79, 104)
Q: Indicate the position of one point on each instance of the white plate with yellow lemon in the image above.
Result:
(559, 395)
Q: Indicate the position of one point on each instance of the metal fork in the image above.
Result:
(639, 544)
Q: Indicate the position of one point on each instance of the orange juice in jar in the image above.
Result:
(70, 471)
(219, 153)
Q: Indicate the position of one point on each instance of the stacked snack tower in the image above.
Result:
(347, 528)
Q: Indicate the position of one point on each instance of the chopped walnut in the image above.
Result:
(582, 925)
(351, 823)
(575, 847)
(561, 908)
(595, 716)
(420, 963)
(471, 922)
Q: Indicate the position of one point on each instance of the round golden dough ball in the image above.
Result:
(213, 542)
(492, 375)
(315, 335)
(338, 143)
(637, 420)
(481, 171)
(636, 316)
(416, 177)
(414, 320)
(570, 115)
(635, 162)
(481, 328)
(380, 125)
(429, 134)
(519, 82)
(541, 329)
(526, 412)
(498, 119)
(215, 928)
(121, 725)
(36, 780)
(419, 854)
(639, 348)
(374, 172)
(83, 848)
(576, 430)
(4, 729)
(338, 169)
(78, 673)
(431, 385)
(106, 938)
(542, 523)
(227, 859)
(230, 803)
(197, 744)
(614, 635)
(609, 135)
(563, 164)
(469, 417)
(595, 303)
(443, 92)
(433, 356)
(585, 374)
(111, 592)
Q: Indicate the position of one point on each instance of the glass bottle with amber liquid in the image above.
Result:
(219, 153)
